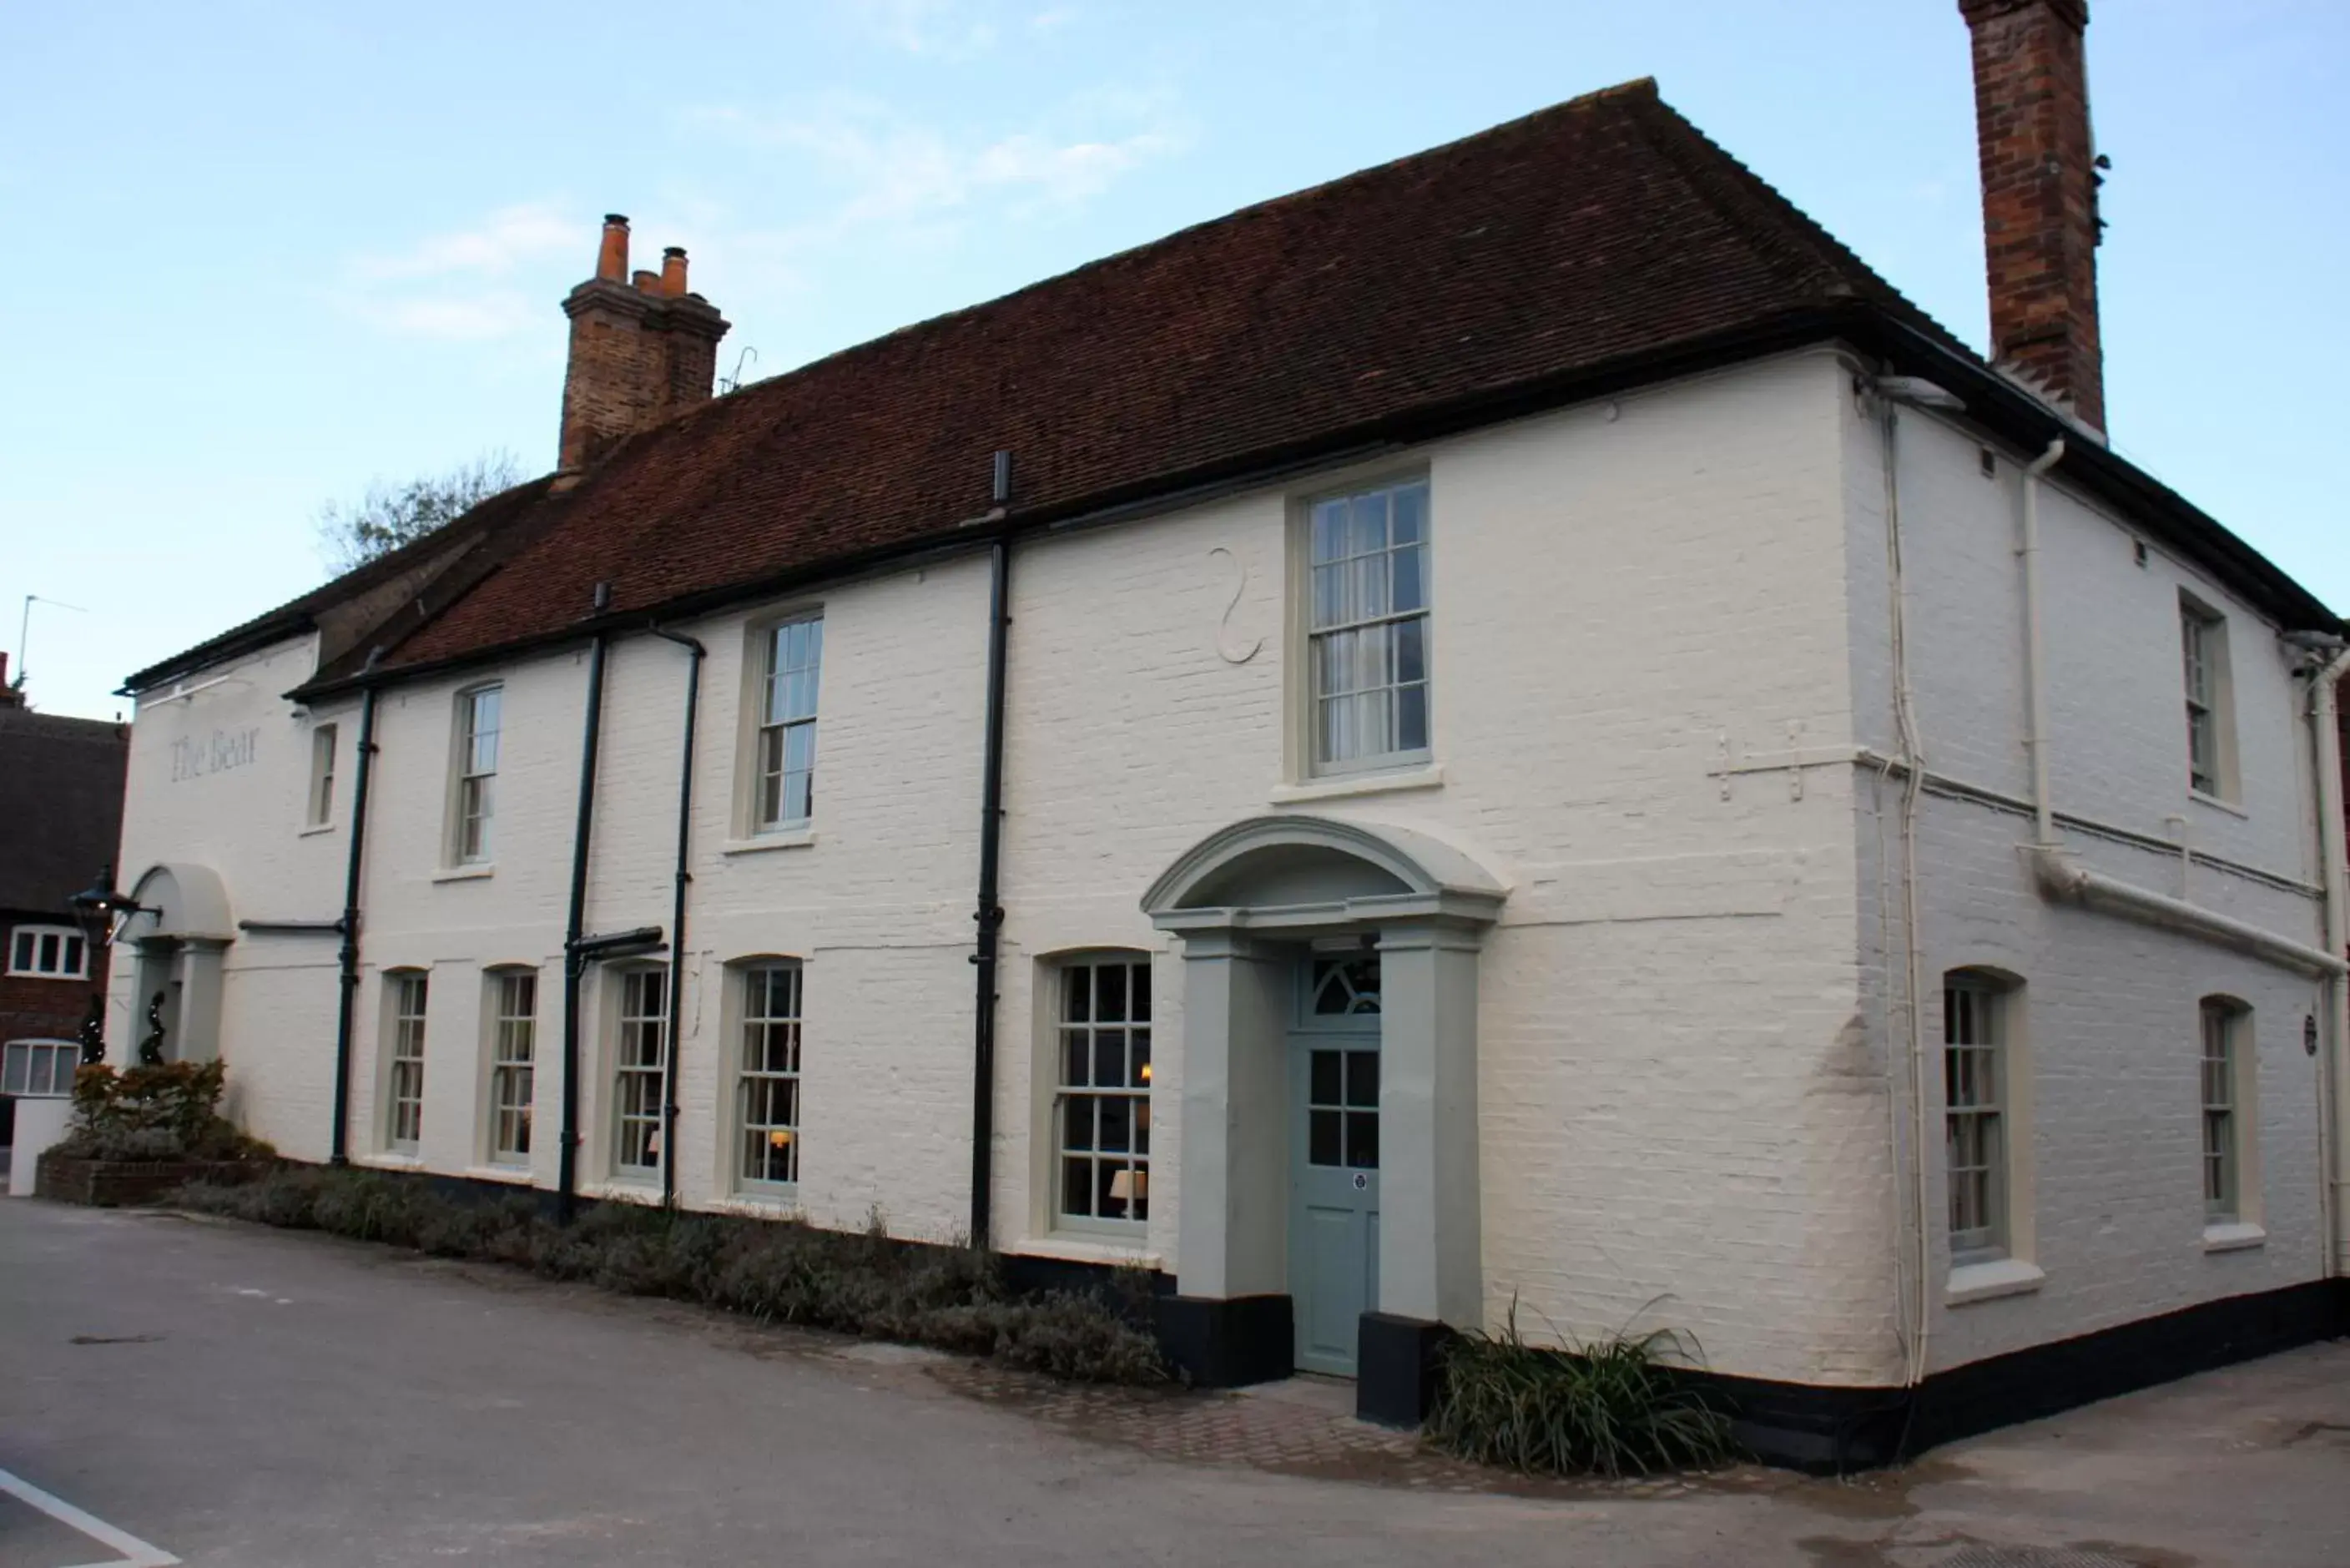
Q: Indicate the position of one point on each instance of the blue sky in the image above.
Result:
(266, 253)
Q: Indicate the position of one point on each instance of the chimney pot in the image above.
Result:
(647, 281)
(673, 270)
(612, 253)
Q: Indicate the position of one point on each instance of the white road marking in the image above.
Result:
(136, 1553)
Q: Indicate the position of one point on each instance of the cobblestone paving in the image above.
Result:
(1305, 1430)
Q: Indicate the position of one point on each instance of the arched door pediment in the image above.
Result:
(1292, 869)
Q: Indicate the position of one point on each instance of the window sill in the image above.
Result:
(780, 1204)
(644, 1190)
(315, 829)
(38, 974)
(1075, 1248)
(782, 838)
(511, 1175)
(386, 1160)
(465, 873)
(2233, 1236)
(1427, 776)
(1989, 1281)
(2213, 800)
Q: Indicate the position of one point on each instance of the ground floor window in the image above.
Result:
(2225, 1024)
(1102, 1109)
(513, 1044)
(1974, 1078)
(641, 1064)
(38, 1068)
(769, 1093)
(404, 1088)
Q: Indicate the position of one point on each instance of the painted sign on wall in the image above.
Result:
(226, 750)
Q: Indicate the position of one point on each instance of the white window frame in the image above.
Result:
(407, 1007)
(319, 810)
(38, 1068)
(1075, 989)
(473, 774)
(2208, 689)
(510, 1015)
(782, 700)
(2230, 1174)
(639, 1085)
(48, 952)
(770, 1037)
(1337, 606)
(1978, 1124)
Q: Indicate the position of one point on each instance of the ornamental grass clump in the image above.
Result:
(1612, 1407)
(864, 1283)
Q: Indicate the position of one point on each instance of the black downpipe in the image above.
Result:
(990, 913)
(338, 1151)
(575, 960)
(695, 653)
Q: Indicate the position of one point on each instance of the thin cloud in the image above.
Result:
(940, 28)
(462, 287)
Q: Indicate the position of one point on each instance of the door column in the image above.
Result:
(1432, 1271)
(1229, 1321)
(200, 1000)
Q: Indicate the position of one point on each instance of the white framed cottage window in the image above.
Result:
(640, 1071)
(473, 793)
(2227, 1027)
(1976, 1131)
(2211, 708)
(48, 952)
(319, 808)
(1366, 629)
(768, 1077)
(38, 1069)
(513, 1051)
(406, 992)
(783, 773)
(1101, 1108)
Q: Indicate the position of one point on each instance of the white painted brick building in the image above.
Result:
(1640, 901)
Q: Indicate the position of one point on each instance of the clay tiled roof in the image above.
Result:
(1595, 231)
(60, 806)
(1605, 237)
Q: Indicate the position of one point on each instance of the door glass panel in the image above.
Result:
(1323, 1089)
(1322, 1138)
(1341, 987)
(1363, 1078)
(1363, 1140)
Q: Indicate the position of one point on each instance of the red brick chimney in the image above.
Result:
(641, 351)
(2040, 196)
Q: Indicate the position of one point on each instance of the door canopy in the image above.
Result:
(187, 900)
(1289, 870)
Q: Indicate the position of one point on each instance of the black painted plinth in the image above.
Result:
(1397, 1362)
(1230, 1342)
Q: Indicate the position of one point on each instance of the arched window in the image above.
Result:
(1977, 1112)
(767, 1075)
(1101, 1107)
(406, 991)
(2226, 1032)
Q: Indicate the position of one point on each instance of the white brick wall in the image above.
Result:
(1683, 1048)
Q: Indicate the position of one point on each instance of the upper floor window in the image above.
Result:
(769, 1072)
(640, 1071)
(320, 809)
(1366, 627)
(1975, 1114)
(513, 1049)
(403, 1121)
(2226, 1024)
(2210, 722)
(785, 785)
(477, 772)
(1102, 1111)
(53, 952)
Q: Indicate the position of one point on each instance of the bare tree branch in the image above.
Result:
(387, 516)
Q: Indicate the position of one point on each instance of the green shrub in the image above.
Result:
(1613, 1407)
(862, 1282)
(166, 1112)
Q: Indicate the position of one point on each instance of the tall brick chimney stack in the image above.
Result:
(641, 351)
(2040, 196)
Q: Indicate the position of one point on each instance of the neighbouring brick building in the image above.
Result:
(61, 819)
(1514, 728)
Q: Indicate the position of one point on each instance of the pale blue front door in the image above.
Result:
(1334, 1215)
